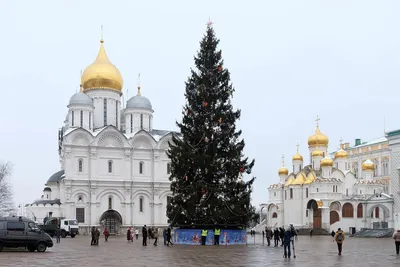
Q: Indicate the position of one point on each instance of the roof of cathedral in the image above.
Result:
(56, 177)
(275, 186)
(46, 201)
(373, 182)
(324, 180)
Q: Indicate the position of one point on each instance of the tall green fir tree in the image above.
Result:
(207, 159)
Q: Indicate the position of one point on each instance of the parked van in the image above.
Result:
(16, 231)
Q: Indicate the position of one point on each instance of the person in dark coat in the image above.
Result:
(165, 236)
(58, 234)
(287, 239)
(97, 236)
(128, 234)
(93, 234)
(281, 234)
(106, 234)
(268, 235)
(169, 235)
(144, 233)
(276, 237)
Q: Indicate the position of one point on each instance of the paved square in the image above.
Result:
(316, 251)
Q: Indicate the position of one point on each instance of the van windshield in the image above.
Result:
(33, 226)
(73, 222)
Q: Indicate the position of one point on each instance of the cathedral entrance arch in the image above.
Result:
(111, 219)
(316, 211)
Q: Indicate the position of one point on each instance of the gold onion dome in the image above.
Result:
(368, 165)
(341, 154)
(283, 170)
(102, 74)
(297, 156)
(326, 162)
(317, 153)
(318, 139)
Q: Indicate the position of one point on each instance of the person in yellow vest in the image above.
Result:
(204, 233)
(217, 232)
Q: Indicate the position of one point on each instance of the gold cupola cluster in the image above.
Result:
(102, 74)
(368, 165)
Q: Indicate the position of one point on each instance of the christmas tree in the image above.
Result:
(207, 161)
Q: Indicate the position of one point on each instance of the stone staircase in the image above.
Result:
(377, 233)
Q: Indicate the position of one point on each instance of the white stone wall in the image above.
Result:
(394, 146)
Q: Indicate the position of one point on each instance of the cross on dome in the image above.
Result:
(297, 145)
(138, 90)
(283, 160)
(317, 120)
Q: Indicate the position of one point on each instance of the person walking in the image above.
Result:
(339, 238)
(97, 236)
(165, 236)
(396, 237)
(155, 235)
(144, 235)
(128, 234)
(169, 236)
(106, 234)
(58, 234)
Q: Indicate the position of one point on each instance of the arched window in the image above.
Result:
(306, 213)
(81, 118)
(355, 169)
(274, 215)
(306, 192)
(149, 123)
(116, 115)
(141, 121)
(291, 193)
(360, 211)
(110, 203)
(347, 211)
(141, 167)
(285, 194)
(90, 121)
(110, 166)
(274, 194)
(73, 117)
(385, 167)
(80, 199)
(333, 216)
(80, 165)
(377, 212)
(376, 168)
(141, 204)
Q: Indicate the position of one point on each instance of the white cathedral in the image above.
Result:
(114, 167)
(353, 191)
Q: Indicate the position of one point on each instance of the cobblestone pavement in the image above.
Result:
(316, 251)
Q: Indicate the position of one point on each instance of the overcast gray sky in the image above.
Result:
(289, 61)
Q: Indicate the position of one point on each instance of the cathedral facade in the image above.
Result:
(114, 168)
(350, 190)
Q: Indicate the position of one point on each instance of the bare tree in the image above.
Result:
(7, 206)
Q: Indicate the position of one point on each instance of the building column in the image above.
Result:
(325, 217)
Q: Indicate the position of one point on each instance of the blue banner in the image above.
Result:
(193, 237)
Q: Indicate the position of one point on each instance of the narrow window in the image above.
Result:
(313, 165)
(110, 166)
(141, 204)
(333, 188)
(274, 194)
(347, 192)
(360, 192)
(141, 167)
(285, 194)
(131, 123)
(73, 118)
(80, 165)
(80, 215)
(149, 123)
(317, 190)
(81, 118)
(141, 121)
(168, 168)
(90, 121)
(306, 192)
(306, 213)
(116, 114)
(291, 193)
(105, 112)
(110, 203)
(377, 212)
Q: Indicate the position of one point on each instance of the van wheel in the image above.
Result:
(41, 247)
(63, 234)
(31, 248)
(72, 236)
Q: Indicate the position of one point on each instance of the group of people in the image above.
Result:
(95, 236)
(150, 233)
(278, 235)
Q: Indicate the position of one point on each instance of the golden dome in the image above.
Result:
(326, 162)
(317, 153)
(318, 139)
(283, 170)
(297, 156)
(300, 179)
(341, 154)
(102, 74)
(368, 165)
